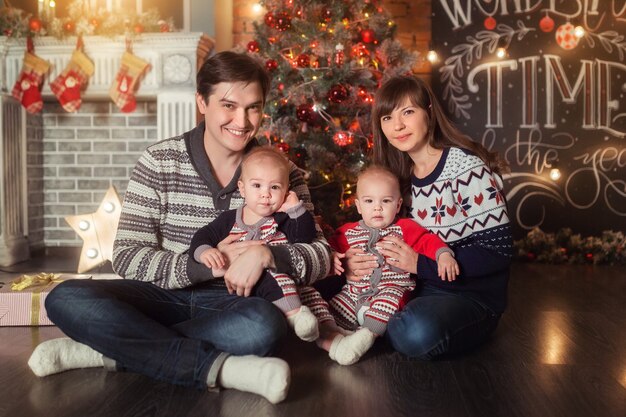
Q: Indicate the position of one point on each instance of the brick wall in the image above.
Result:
(413, 18)
(74, 158)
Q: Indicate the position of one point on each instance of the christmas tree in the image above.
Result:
(327, 58)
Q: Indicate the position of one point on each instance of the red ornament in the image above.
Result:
(304, 61)
(305, 113)
(94, 22)
(565, 36)
(546, 24)
(490, 23)
(589, 257)
(283, 21)
(269, 19)
(359, 51)
(342, 138)
(253, 46)
(138, 28)
(531, 256)
(364, 95)
(338, 93)
(368, 35)
(69, 26)
(34, 24)
(271, 65)
(284, 147)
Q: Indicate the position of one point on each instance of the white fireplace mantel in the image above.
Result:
(173, 58)
(171, 80)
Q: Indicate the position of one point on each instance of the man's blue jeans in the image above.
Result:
(437, 323)
(178, 336)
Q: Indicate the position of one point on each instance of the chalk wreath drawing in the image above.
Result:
(464, 53)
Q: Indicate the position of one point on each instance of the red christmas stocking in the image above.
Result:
(68, 85)
(122, 90)
(26, 88)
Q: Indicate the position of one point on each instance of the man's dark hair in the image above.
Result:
(229, 66)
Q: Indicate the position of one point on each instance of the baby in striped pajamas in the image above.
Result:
(365, 306)
(271, 214)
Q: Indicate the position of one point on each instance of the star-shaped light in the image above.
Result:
(97, 231)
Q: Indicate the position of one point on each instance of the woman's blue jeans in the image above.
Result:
(178, 336)
(437, 323)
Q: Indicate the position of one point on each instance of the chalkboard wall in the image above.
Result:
(554, 100)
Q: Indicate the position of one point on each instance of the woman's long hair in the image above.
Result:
(441, 131)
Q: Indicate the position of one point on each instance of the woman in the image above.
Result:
(454, 188)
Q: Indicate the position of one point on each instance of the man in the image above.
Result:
(170, 319)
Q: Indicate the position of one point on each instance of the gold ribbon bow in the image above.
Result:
(40, 280)
(27, 281)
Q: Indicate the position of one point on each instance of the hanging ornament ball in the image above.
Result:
(305, 113)
(304, 61)
(326, 15)
(34, 24)
(269, 19)
(368, 35)
(284, 147)
(253, 46)
(337, 93)
(490, 23)
(565, 37)
(138, 28)
(283, 21)
(271, 65)
(342, 138)
(69, 26)
(546, 24)
(94, 22)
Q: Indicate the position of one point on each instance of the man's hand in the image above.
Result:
(244, 272)
(231, 249)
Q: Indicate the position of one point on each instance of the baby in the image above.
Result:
(273, 214)
(367, 305)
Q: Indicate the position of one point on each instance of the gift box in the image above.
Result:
(22, 300)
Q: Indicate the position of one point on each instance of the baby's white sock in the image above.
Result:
(58, 355)
(304, 323)
(347, 350)
(268, 377)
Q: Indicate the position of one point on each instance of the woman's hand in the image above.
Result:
(398, 254)
(244, 272)
(358, 264)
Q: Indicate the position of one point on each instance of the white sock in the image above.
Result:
(347, 350)
(58, 355)
(268, 377)
(304, 324)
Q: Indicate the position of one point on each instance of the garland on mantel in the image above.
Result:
(17, 23)
(567, 247)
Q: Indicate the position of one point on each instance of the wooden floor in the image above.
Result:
(560, 350)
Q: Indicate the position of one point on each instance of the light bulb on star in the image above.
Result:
(97, 231)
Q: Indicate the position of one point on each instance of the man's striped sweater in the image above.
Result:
(171, 194)
(462, 202)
